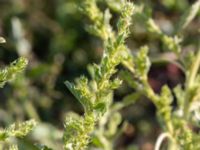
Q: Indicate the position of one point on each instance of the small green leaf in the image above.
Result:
(188, 16)
(100, 107)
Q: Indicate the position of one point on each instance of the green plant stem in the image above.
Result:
(173, 145)
(194, 70)
(155, 98)
(31, 111)
(190, 82)
(161, 139)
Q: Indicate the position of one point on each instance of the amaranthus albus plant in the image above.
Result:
(98, 127)
(96, 94)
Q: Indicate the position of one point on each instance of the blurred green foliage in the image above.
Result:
(52, 35)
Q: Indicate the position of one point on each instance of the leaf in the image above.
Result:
(126, 101)
(100, 107)
(82, 92)
(188, 16)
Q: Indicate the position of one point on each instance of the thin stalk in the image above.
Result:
(31, 111)
(162, 137)
(155, 98)
(160, 140)
(194, 70)
(191, 79)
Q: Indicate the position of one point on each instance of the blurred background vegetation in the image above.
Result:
(52, 35)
